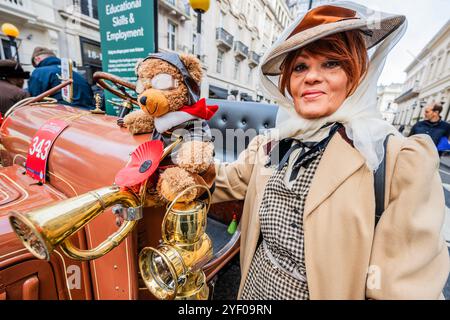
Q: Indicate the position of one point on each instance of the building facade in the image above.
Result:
(386, 96)
(68, 27)
(298, 7)
(234, 36)
(427, 81)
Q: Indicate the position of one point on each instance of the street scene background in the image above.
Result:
(234, 37)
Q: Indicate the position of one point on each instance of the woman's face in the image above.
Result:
(318, 86)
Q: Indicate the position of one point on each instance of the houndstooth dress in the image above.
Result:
(278, 271)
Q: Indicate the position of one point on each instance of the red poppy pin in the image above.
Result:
(144, 161)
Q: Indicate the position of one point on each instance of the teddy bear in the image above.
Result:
(168, 87)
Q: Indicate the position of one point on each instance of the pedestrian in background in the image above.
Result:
(12, 79)
(308, 226)
(433, 125)
(46, 76)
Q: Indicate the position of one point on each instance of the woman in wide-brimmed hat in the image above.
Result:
(308, 229)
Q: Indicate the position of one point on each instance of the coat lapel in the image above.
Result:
(339, 161)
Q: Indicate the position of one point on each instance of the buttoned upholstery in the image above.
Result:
(236, 123)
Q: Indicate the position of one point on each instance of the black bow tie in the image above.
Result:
(295, 144)
(307, 149)
(286, 147)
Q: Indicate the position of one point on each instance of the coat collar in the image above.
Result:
(339, 161)
(50, 61)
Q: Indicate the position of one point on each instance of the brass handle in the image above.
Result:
(174, 201)
(103, 248)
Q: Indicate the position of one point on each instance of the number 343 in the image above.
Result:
(40, 147)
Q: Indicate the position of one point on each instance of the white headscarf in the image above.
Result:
(359, 114)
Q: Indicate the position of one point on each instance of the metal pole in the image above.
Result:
(50, 92)
(199, 34)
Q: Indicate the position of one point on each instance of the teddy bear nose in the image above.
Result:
(143, 100)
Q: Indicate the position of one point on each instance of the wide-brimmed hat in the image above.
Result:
(39, 51)
(326, 20)
(12, 69)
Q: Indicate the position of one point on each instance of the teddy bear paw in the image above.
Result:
(175, 180)
(195, 156)
(139, 122)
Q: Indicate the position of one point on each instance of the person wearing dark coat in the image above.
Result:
(12, 78)
(433, 125)
(45, 77)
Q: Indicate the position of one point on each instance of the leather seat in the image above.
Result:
(236, 123)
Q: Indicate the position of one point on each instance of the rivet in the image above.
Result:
(115, 267)
(117, 288)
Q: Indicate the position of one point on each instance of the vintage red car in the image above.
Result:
(86, 156)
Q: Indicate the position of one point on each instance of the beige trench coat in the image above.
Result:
(346, 258)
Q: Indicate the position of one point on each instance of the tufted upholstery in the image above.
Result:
(237, 123)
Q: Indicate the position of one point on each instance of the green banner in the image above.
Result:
(128, 33)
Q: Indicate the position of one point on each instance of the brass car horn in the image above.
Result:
(44, 229)
(174, 269)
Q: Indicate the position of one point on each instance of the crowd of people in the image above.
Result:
(45, 76)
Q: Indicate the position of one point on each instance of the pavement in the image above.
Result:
(445, 161)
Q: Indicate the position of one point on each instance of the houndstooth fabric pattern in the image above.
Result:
(281, 217)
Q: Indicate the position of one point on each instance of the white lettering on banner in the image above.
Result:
(122, 65)
(124, 51)
(125, 6)
(124, 35)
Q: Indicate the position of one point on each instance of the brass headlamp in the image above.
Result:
(174, 269)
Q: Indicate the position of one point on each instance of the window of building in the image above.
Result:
(236, 69)
(6, 51)
(249, 77)
(219, 64)
(88, 7)
(172, 2)
(171, 33)
(439, 69)
(430, 74)
(256, 20)
(448, 60)
(221, 19)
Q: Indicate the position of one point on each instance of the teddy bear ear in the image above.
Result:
(138, 64)
(193, 66)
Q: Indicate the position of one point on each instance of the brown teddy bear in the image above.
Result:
(168, 88)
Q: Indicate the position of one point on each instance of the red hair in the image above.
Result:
(346, 47)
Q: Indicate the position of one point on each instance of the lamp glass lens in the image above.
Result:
(161, 272)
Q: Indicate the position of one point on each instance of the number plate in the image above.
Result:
(36, 165)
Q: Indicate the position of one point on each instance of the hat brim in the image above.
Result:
(378, 30)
